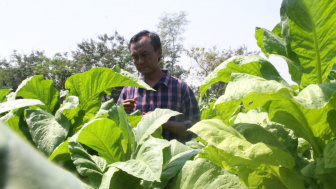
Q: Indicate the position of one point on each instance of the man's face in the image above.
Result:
(145, 58)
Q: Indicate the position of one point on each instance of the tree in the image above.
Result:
(21, 66)
(106, 52)
(206, 60)
(7, 76)
(171, 28)
(61, 67)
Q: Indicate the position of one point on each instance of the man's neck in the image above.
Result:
(153, 78)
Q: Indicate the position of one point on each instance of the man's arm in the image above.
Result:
(191, 112)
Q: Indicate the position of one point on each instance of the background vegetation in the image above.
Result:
(108, 50)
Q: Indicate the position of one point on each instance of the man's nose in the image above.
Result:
(141, 60)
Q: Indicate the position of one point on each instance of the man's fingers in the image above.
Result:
(129, 104)
(128, 109)
(133, 101)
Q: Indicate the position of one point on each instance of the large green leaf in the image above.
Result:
(306, 41)
(236, 149)
(75, 115)
(239, 86)
(310, 114)
(92, 85)
(37, 88)
(202, 173)
(69, 108)
(253, 65)
(134, 120)
(61, 153)
(109, 110)
(87, 165)
(255, 134)
(175, 157)
(332, 74)
(116, 178)
(106, 179)
(312, 119)
(46, 130)
(312, 32)
(329, 155)
(104, 136)
(320, 170)
(21, 166)
(151, 122)
(254, 173)
(20, 103)
(128, 140)
(268, 132)
(209, 112)
(272, 44)
(268, 176)
(16, 121)
(147, 160)
(3, 93)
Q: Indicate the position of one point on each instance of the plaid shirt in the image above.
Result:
(171, 93)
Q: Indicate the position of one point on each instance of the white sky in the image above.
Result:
(58, 25)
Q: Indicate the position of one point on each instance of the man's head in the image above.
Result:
(154, 40)
(145, 48)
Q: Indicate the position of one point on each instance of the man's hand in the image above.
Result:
(177, 128)
(144, 113)
(129, 104)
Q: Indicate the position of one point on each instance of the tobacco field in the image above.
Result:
(262, 133)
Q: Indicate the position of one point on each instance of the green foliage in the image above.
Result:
(253, 65)
(170, 29)
(14, 104)
(93, 139)
(107, 51)
(3, 93)
(20, 67)
(205, 62)
(37, 88)
(202, 173)
(103, 136)
(23, 166)
(305, 41)
(262, 133)
(60, 68)
(260, 118)
(89, 89)
(47, 131)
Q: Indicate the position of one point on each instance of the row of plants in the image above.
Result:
(262, 133)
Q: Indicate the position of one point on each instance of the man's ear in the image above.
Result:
(159, 53)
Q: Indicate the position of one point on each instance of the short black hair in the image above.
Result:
(154, 39)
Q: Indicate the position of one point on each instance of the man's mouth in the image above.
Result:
(142, 68)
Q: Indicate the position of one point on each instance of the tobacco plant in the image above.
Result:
(262, 133)
(268, 133)
(98, 142)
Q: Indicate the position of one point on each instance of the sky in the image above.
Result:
(59, 25)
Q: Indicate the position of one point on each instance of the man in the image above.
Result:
(171, 93)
